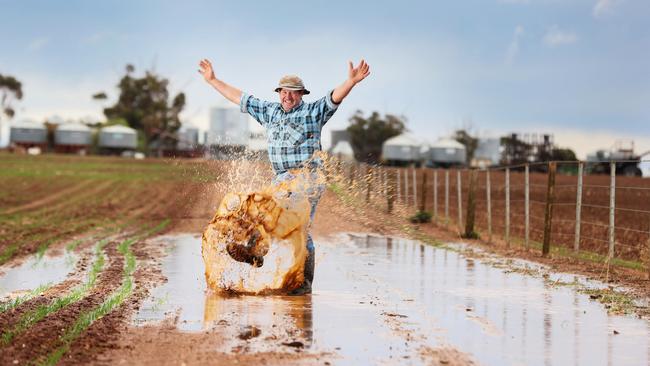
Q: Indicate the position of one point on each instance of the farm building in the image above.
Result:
(228, 133)
(487, 153)
(72, 138)
(188, 138)
(28, 134)
(257, 145)
(116, 139)
(446, 153)
(343, 151)
(402, 150)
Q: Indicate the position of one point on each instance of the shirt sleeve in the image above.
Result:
(326, 108)
(255, 107)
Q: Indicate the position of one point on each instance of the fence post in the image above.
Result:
(435, 195)
(423, 198)
(368, 182)
(406, 186)
(527, 206)
(415, 188)
(399, 188)
(471, 205)
(446, 197)
(460, 201)
(351, 174)
(507, 228)
(390, 192)
(612, 208)
(488, 192)
(576, 243)
(548, 214)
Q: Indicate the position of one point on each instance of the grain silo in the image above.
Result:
(72, 138)
(28, 134)
(116, 139)
(446, 153)
(402, 150)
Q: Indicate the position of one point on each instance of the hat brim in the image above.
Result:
(277, 90)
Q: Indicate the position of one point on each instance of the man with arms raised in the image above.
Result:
(294, 130)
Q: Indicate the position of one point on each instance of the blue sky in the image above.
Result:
(579, 69)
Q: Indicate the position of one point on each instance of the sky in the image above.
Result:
(578, 69)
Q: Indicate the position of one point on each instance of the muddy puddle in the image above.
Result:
(36, 271)
(390, 300)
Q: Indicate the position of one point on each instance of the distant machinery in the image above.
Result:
(622, 153)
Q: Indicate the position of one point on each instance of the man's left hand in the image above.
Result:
(356, 74)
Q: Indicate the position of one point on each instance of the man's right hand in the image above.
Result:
(206, 70)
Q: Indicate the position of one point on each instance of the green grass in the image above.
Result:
(21, 299)
(32, 317)
(86, 319)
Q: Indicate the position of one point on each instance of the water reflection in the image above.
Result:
(382, 299)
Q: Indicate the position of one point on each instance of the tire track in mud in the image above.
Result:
(49, 199)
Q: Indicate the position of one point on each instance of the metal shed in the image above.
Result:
(72, 134)
(343, 151)
(402, 149)
(118, 137)
(188, 138)
(28, 133)
(446, 152)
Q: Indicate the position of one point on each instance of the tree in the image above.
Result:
(144, 103)
(470, 143)
(367, 135)
(11, 89)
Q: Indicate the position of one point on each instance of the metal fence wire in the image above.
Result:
(555, 204)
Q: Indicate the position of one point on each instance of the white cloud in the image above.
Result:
(557, 37)
(38, 43)
(513, 48)
(604, 7)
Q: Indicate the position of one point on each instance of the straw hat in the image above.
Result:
(291, 82)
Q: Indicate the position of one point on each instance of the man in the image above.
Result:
(294, 131)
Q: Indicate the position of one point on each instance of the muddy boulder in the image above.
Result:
(256, 242)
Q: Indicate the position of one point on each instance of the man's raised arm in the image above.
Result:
(355, 75)
(229, 92)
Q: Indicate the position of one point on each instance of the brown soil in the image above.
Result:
(113, 340)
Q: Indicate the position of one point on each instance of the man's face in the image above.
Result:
(290, 98)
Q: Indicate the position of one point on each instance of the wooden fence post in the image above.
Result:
(507, 228)
(471, 206)
(548, 215)
(415, 187)
(406, 186)
(435, 195)
(446, 197)
(576, 243)
(527, 206)
(488, 192)
(368, 182)
(423, 199)
(399, 189)
(612, 208)
(459, 185)
(390, 192)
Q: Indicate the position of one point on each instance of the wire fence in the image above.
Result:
(555, 204)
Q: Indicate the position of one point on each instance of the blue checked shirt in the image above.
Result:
(293, 136)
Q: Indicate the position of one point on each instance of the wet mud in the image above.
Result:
(378, 299)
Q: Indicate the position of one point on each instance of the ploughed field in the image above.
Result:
(99, 211)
